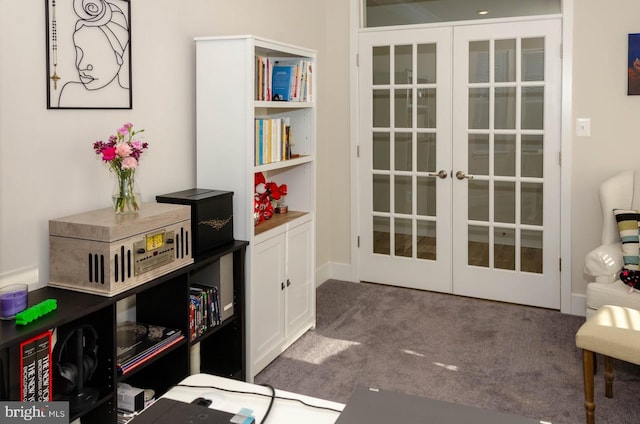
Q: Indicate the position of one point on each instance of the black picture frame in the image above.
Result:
(88, 54)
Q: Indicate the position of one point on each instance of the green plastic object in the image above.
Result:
(36, 311)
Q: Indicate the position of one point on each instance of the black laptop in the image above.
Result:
(371, 406)
(169, 411)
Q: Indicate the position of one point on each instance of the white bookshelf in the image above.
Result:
(280, 298)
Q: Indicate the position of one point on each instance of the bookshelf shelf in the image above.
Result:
(227, 150)
(283, 164)
(282, 105)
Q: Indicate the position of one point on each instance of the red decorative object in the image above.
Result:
(266, 193)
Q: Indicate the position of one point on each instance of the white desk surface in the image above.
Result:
(282, 411)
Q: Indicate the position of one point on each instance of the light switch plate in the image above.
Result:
(583, 127)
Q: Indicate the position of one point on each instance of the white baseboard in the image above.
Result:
(27, 275)
(332, 270)
(578, 304)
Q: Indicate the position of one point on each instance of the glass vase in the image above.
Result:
(126, 195)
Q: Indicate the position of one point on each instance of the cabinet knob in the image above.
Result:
(281, 286)
(288, 282)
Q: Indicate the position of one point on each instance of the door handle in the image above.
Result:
(461, 176)
(440, 174)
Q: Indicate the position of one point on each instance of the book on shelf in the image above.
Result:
(282, 82)
(204, 310)
(272, 140)
(300, 78)
(283, 79)
(35, 368)
(138, 342)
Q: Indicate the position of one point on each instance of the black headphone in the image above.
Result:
(67, 368)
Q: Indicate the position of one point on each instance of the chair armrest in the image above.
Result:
(604, 262)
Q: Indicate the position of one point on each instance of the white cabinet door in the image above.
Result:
(299, 283)
(267, 334)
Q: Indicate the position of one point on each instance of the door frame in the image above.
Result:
(569, 303)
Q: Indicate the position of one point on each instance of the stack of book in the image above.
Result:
(35, 369)
(272, 140)
(138, 342)
(283, 80)
(204, 310)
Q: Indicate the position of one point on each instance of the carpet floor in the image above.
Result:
(510, 358)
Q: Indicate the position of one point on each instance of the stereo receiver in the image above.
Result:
(103, 253)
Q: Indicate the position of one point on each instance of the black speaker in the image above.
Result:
(76, 359)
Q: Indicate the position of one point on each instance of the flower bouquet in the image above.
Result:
(122, 154)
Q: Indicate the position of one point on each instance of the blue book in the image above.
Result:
(281, 82)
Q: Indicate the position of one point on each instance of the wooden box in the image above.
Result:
(211, 216)
(103, 253)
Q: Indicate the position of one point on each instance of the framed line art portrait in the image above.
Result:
(88, 54)
(633, 65)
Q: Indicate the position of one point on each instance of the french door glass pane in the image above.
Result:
(403, 64)
(532, 108)
(531, 251)
(532, 59)
(479, 108)
(426, 234)
(426, 196)
(479, 61)
(403, 151)
(531, 200)
(381, 235)
(505, 60)
(505, 109)
(381, 157)
(478, 152)
(504, 248)
(478, 246)
(531, 156)
(381, 67)
(403, 107)
(426, 104)
(426, 152)
(403, 237)
(478, 200)
(380, 108)
(504, 207)
(426, 64)
(403, 194)
(381, 193)
(504, 155)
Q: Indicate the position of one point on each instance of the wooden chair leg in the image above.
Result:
(588, 358)
(608, 376)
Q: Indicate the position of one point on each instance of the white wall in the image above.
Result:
(600, 93)
(47, 166)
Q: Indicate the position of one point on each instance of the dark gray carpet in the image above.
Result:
(510, 358)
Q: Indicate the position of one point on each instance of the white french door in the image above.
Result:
(459, 176)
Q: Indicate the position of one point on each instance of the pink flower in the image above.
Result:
(124, 130)
(136, 144)
(129, 163)
(108, 154)
(123, 150)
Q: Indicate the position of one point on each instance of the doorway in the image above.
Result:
(458, 170)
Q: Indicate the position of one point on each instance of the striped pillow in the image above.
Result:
(628, 228)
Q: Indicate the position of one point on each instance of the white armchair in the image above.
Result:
(605, 262)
